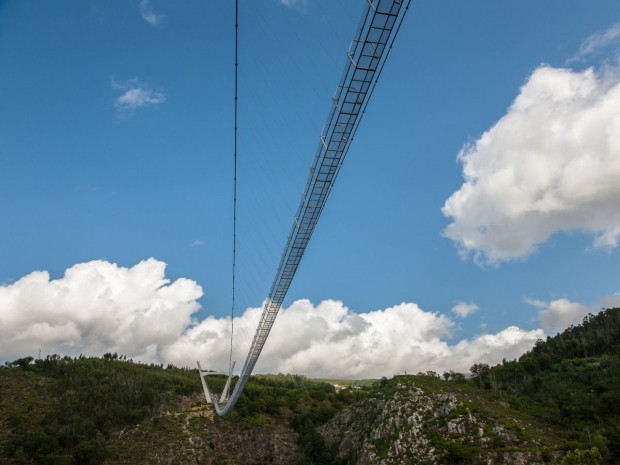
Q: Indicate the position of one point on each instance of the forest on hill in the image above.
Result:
(63, 410)
(110, 410)
(571, 381)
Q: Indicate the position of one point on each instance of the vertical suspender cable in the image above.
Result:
(234, 258)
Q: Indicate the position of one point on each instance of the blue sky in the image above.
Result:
(116, 145)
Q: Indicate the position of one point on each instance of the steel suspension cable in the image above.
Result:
(234, 257)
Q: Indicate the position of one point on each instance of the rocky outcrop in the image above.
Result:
(405, 424)
(194, 435)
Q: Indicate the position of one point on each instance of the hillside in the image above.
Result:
(111, 411)
(570, 381)
(424, 420)
(558, 404)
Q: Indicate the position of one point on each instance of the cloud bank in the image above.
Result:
(99, 307)
(551, 164)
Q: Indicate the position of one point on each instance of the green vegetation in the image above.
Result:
(561, 399)
(62, 411)
(303, 403)
(570, 381)
(562, 395)
(583, 457)
(69, 411)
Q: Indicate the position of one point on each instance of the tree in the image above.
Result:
(480, 369)
(583, 457)
(22, 362)
(481, 372)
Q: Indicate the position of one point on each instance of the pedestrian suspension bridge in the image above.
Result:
(364, 61)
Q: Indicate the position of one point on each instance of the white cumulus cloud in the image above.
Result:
(135, 95)
(99, 307)
(558, 314)
(610, 301)
(94, 308)
(148, 15)
(464, 309)
(551, 164)
(329, 340)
